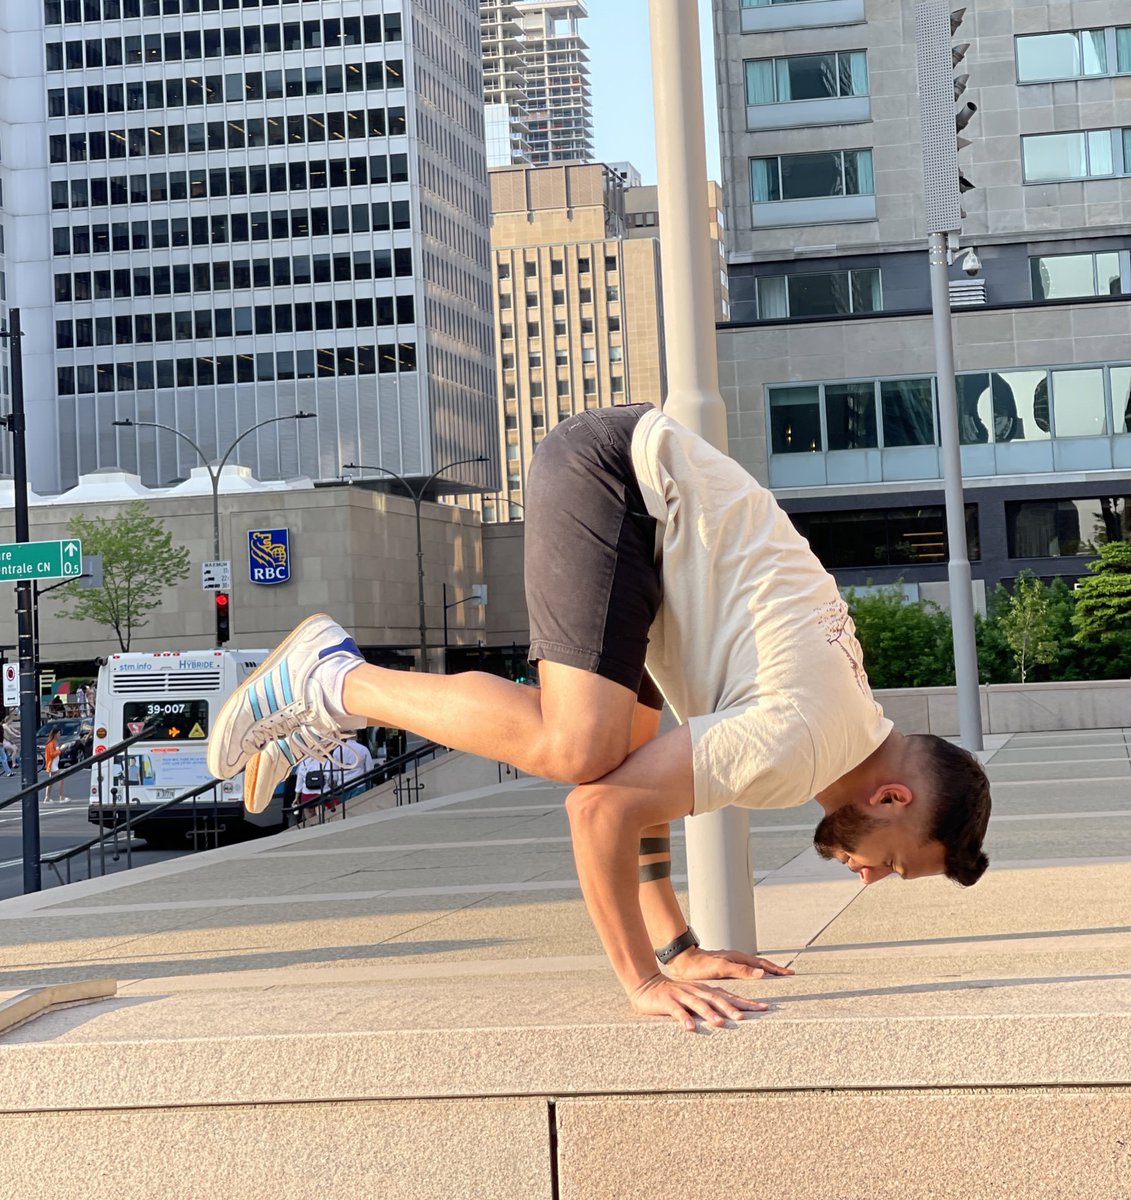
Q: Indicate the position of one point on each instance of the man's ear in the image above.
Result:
(890, 796)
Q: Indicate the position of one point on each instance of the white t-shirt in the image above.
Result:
(753, 646)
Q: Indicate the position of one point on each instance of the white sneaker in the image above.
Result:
(293, 701)
(263, 774)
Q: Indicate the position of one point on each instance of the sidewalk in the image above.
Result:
(420, 992)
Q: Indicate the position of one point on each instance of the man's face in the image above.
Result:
(875, 846)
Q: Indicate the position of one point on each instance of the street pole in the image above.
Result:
(417, 495)
(935, 25)
(214, 473)
(29, 668)
(719, 869)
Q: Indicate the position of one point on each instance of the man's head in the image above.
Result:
(932, 821)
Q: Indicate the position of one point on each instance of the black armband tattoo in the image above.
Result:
(659, 845)
(655, 870)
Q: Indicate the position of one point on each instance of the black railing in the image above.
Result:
(406, 767)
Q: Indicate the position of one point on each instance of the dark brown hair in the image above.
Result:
(959, 806)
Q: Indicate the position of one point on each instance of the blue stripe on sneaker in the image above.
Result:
(347, 646)
(285, 680)
(253, 700)
(272, 702)
(287, 751)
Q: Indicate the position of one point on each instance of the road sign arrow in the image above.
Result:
(71, 549)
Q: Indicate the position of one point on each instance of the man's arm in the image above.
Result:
(665, 920)
(607, 818)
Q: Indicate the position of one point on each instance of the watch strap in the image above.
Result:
(678, 945)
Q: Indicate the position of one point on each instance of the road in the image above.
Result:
(61, 825)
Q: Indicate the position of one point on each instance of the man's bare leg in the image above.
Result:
(576, 727)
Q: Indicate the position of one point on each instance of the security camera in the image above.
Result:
(971, 263)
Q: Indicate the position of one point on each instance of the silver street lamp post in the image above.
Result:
(214, 473)
(417, 494)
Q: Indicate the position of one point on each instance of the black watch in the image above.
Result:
(678, 945)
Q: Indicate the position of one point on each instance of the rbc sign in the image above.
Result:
(268, 555)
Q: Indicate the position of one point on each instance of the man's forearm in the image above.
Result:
(658, 903)
(605, 847)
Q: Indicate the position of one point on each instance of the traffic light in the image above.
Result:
(223, 617)
(943, 112)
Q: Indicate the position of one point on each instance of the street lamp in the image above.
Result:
(214, 473)
(417, 495)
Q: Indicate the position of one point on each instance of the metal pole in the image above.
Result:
(417, 498)
(958, 573)
(720, 874)
(215, 477)
(29, 668)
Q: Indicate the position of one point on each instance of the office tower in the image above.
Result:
(828, 366)
(226, 213)
(642, 219)
(578, 314)
(504, 83)
(559, 106)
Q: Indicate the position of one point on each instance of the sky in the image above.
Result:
(621, 77)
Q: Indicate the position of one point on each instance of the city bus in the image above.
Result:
(178, 694)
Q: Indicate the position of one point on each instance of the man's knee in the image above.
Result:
(583, 756)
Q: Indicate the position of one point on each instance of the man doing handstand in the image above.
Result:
(657, 570)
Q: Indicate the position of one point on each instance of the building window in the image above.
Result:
(908, 408)
(821, 294)
(1060, 276)
(806, 77)
(1074, 54)
(1089, 154)
(795, 420)
(806, 176)
(1058, 528)
(883, 537)
(850, 415)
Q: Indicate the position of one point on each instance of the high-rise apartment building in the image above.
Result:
(218, 213)
(578, 314)
(642, 219)
(828, 365)
(559, 105)
(504, 83)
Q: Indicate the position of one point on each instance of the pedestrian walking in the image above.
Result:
(51, 766)
(657, 570)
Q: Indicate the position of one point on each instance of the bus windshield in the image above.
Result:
(173, 720)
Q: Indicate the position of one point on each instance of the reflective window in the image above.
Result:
(850, 415)
(806, 77)
(1121, 398)
(908, 412)
(1059, 276)
(1056, 528)
(1048, 157)
(1079, 407)
(795, 420)
(820, 294)
(806, 176)
(1021, 406)
(1070, 55)
(883, 537)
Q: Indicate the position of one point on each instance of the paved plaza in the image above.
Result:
(432, 968)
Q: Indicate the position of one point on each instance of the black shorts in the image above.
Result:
(592, 581)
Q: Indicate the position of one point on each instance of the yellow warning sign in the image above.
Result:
(196, 731)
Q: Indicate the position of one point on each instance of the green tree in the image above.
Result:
(995, 659)
(906, 643)
(139, 562)
(1103, 612)
(1069, 654)
(1026, 623)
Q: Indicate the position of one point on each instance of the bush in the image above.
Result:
(907, 643)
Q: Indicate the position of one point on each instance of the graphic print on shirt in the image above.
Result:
(839, 631)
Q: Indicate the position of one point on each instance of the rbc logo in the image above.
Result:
(269, 555)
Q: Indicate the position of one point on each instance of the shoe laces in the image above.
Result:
(293, 725)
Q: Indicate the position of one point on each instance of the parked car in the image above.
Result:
(76, 736)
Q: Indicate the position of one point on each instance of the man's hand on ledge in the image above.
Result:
(684, 1001)
(695, 963)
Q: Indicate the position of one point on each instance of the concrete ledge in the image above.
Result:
(1013, 707)
(23, 1006)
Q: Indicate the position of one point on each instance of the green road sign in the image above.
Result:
(41, 560)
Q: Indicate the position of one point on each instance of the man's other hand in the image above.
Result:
(722, 964)
(684, 1002)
